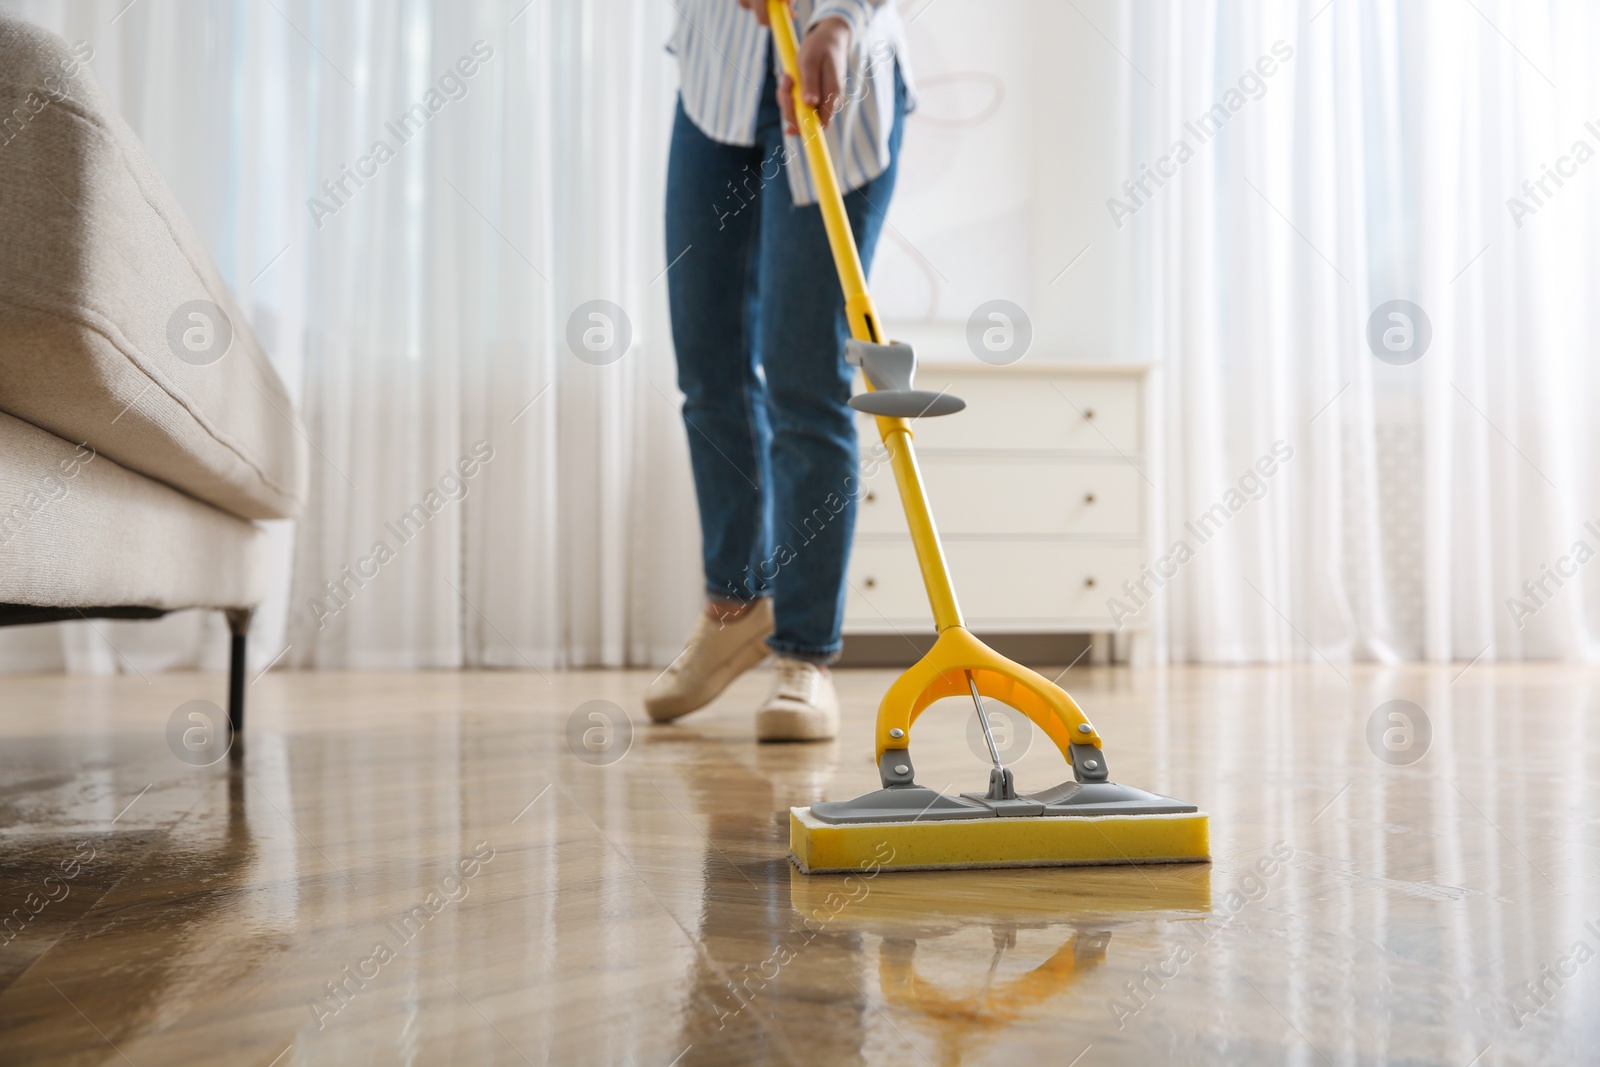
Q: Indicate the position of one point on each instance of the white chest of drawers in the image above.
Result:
(1041, 495)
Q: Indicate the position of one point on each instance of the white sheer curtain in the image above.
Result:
(419, 309)
(1374, 163)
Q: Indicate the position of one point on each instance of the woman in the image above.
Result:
(759, 327)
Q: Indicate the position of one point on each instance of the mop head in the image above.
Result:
(886, 831)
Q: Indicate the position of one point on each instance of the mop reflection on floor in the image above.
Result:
(928, 965)
(964, 1018)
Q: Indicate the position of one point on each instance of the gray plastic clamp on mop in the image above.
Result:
(903, 800)
(891, 369)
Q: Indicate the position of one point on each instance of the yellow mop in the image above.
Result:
(905, 826)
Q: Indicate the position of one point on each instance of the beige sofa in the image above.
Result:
(142, 428)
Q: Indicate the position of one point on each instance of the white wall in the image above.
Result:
(1018, 140)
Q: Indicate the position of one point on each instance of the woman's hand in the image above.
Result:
(824, 51)
(758, 8)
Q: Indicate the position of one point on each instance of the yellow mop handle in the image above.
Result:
(865, 326)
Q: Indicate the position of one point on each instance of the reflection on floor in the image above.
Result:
(487, 868)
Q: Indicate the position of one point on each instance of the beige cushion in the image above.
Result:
(95, 261)
(78, 530)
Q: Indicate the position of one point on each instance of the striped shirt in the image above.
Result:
(722, 56)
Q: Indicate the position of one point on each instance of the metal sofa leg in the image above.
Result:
(239, 626)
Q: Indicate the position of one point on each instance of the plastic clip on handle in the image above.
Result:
(864, 326)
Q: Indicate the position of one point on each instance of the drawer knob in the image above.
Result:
(1088, 413)
(870, 583)
(1088, 583)
(1088, 498)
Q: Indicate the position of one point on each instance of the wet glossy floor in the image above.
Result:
(420, 869)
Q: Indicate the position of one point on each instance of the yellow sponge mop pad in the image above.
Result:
(1031, 841)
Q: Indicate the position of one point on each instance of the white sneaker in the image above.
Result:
(716, 654)
(803, 705)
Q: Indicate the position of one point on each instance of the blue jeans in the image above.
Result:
(759, 326)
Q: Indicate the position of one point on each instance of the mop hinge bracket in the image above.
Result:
(1089, 764)
(895, 767)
